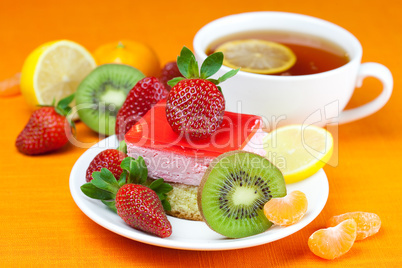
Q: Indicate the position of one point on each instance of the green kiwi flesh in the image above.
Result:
(102, 93)
(233, 191)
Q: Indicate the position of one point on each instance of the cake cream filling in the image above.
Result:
(178, 168)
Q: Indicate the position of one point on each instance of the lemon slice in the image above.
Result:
(257, 56)
(299, 151)
(54, 71)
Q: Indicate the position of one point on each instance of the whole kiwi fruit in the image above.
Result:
(102, 93)
(233, 191)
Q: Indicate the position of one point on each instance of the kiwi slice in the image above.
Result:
(102, 93)
(233, 191)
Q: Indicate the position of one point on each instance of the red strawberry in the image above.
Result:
(169, 71)
(140, 207)
(195, 104)
(47, 129)
(141, 98)
(110, 159)
(196, 107)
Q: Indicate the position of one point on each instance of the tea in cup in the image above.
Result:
(316, 89)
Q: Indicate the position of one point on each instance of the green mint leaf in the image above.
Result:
(228, 75)
(211, 65)
(110, 204)
(94, 192)
(136, 168)
(187, 63)
(174, 81)
(166, 205)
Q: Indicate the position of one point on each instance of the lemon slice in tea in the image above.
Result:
(257, 56)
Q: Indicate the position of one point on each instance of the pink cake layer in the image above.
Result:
(176, 159)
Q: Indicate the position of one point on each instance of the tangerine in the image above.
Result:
(286, 210)
(368, 223)
(333, 242)
(136, 54)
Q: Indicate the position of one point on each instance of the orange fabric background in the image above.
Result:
(41, 225)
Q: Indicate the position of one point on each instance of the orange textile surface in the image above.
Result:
(42, 226)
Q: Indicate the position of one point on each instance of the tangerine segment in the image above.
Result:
(286, 210)
(333, 242)
(368, 223)
(257, 56)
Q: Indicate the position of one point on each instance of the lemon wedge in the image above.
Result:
(257, 56)
(53, 71)
(299, 151)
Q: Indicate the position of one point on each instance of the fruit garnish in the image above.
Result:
(150, 202)
(257, 56)
(10, 86)
(233, 191)
(54, 71)
(286, 210)
(368, 223)
(110, 159)
(102, 93)
(141, 98)
(47, 129)
(169, 71)
(333, 242)
(136, 54)
(298, 151)
(140, 207)
(195, 104)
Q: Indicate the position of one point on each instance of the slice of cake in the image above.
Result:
(182, 161)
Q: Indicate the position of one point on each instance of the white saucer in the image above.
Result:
(191, 235)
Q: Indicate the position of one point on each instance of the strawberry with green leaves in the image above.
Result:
(195, 104)
(142, 207)
(47, 129)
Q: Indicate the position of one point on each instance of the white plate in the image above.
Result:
(191, 235)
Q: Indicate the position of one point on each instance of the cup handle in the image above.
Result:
(383, 74)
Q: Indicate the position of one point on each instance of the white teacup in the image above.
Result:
(305, 99)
